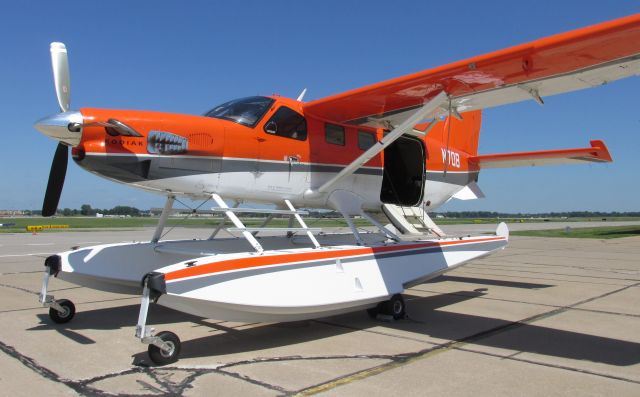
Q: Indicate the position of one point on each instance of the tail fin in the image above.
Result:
(464, 135)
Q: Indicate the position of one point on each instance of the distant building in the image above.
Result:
(12, 213)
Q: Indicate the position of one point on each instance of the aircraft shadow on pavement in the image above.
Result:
(426, 317)
(489, 281)
(519, 337)
(115, 318)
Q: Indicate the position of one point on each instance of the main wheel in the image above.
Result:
(394, 307)
(161, 357)
(66, 315)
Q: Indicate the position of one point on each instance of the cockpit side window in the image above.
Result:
(246, 111)
(287, 123)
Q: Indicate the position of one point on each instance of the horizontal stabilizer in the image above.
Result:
(470, 192)
(598, 153)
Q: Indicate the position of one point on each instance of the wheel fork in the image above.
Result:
(52, 267)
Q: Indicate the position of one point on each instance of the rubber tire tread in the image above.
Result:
(155, 353)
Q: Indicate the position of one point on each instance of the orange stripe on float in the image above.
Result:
(259, 261)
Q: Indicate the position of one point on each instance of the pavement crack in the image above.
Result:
(150, 387)
(19, 289)
(14, 273)
(520, 270)
(486, 297)
(374, 332)
(549, 279)
(253, 381)
(29, 363)
(514, 357)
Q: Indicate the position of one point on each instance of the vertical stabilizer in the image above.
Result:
(464, 135)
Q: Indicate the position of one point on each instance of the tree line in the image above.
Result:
(87, 210)
(567, 214)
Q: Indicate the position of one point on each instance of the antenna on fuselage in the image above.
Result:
(301, 95)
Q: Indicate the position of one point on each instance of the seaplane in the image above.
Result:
(388, 153)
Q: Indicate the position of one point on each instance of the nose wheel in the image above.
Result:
(169, 353)
(64, 311)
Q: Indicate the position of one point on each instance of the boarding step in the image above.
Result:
(411, 220)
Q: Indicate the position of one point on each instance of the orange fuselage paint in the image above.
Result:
(210, 137)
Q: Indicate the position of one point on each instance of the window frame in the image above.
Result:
(367, 133)
(306, 127)
(326, 134)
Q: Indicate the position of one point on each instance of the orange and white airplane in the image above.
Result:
(389, 151)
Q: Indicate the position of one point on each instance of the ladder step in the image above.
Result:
(259, 211)
(274, 229)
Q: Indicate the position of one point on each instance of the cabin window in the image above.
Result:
(287, 123)
(366, 140)
(334, 134)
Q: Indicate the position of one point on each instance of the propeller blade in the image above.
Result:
(61, 80)
(56, 180)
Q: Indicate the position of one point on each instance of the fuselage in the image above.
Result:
(283, 154)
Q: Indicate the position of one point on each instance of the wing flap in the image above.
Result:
(565, 62)
(598, 153)
(577, 80)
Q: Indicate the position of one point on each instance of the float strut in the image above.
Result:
(52, 268)
(153, 286)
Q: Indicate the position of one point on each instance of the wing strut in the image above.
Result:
(419, 115)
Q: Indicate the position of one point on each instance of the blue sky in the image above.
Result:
(187, 56)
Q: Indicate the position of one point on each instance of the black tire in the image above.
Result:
(394, 307)
(159, 356)
(69, 312)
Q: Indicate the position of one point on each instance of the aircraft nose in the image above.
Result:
(65, 127)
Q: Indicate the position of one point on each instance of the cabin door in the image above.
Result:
(404, 172)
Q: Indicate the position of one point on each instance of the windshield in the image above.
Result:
(247, 111)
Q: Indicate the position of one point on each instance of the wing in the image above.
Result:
(598, 153)
(566, 62)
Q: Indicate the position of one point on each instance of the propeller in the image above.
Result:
(61, 81)
(56, 180)
(60, 66)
